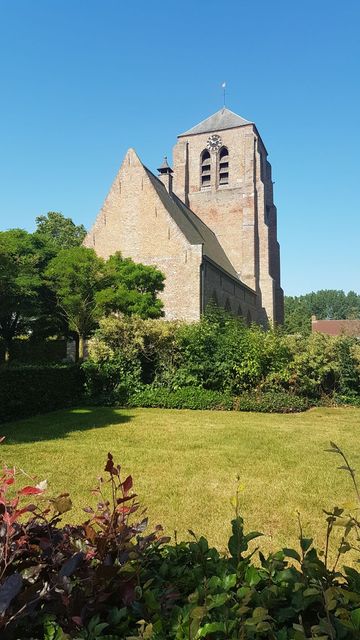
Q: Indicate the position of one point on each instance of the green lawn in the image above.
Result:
(185, 463)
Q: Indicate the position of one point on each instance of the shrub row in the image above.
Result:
(28, 351)
(28, 390)
(218, 354)
(271, 402)
(192, 398)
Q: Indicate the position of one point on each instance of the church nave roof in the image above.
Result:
(193, 228)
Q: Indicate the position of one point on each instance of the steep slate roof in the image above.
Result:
(223, 119)
(194, 229)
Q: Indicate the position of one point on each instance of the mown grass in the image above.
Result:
(185, 464)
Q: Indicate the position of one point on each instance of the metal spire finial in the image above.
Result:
(223, 86)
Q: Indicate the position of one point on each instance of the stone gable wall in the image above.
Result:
(133, 220)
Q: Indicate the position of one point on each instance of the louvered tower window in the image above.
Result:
(224, 166)
(205, 169)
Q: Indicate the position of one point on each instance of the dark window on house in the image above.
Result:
(205, 169)
(224, 166)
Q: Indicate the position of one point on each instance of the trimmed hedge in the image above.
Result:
(28, 390)
(271, 402)
(194, 398)
(35, 351)
(187, 398)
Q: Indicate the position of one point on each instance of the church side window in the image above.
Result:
(205, 169)
(224, 166)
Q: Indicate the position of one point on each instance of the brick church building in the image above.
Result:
(208, 223)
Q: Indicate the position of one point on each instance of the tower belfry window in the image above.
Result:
(224, 166)
(205, 169)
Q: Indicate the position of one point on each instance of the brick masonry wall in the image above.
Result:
(241, 214)
(228, 293)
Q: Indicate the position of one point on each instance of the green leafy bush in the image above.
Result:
(27, 390)
(125, 353)
(68, 573)
(188, 398)
(107, 579)
(111, 381)
(271, 402)
(320, 365)
(222, 354)
(347, 400)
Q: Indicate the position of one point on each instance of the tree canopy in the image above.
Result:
(131, 289)
(52, 285)
(75, 276)
(86, 288)
(20, 282)
(59, 232)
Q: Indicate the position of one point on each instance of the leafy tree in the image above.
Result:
(132, 288)
(20, 282)
(59, 232)
(75, 276)
(325, 304)
(297, 311)
(55, 233)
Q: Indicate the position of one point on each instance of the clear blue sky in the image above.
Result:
(83, 80)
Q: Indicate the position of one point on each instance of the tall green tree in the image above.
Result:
(132, 288)
(87, 288)
(55, 233)
(75, 276)
(59, 232)
(20, 282)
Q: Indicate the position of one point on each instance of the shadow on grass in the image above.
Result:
(59, 424)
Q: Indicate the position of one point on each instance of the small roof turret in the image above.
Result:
(165, 167)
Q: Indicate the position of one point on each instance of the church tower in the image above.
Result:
(221, 172)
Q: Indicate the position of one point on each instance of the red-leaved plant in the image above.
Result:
(41, 561)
